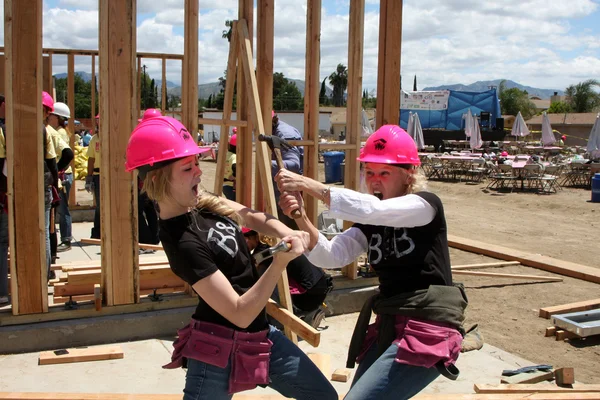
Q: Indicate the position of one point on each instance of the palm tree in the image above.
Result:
(582, 97)
(227, 32)
(339, 81)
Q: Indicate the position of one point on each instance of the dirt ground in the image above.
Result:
(563, 225)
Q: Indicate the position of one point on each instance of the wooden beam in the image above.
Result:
(65, 356)
(118, 188)
(311, 335)
(244, 136)
(223, 122)
(566, 376)
(485, 265)
(538, 261)
(547, 312)
(47, 80)
(140, 245)
(311, 101)
(511, 276)
(265, 26)
(163, 86)
(139, 86)
(262, 152)
(354, 106)
(227, 108)
(524, 388)
(93, 108)
(189, 104)
(71, 103)
(23, 56)
(388, 72)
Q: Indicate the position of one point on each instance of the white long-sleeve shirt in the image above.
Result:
(400, 212)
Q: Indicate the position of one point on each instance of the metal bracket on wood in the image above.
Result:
(71, 304)
(155, 297)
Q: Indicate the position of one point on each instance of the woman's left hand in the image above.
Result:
(288, 181)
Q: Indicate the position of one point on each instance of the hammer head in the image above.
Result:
(275, 142)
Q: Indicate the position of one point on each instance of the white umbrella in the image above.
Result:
(547, 134)
(366, 125)
(418, 132)
(519, 127)
(475, 141)
(593, 145)
(468, 117)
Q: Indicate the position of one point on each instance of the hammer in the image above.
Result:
(276, 144)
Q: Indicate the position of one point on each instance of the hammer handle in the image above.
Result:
(295, 213)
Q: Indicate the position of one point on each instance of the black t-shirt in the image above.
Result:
(407, 259)
(198, 244)
(299, 269)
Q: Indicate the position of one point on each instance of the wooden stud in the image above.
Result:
(71, 103)
(341, 375)
(354, 105)
(163, 87)
(577, 388)
(586, 305)
(23, 55)
(565, 376)
(244, 135)
(139, 85)
(227, 109)
(485, 265)
(140, 245)
(550, 331)
(190, 65)
(263, 153)
(545, 263)
(93, 108)
(388, 73)
(311, 101)
(47, 81)
(311, 335)
(322, 361)
(97, 297)
(511, 276)
(227, 122)
(118, 188)
(64, 356)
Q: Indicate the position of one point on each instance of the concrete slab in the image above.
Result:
(140, 370)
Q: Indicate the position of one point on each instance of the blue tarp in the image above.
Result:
(458, 104)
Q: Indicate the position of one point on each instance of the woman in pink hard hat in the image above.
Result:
(416, 336)
(228, 346)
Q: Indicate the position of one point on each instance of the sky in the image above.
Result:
(541, 43)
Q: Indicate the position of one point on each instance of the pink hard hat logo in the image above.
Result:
(380, 144)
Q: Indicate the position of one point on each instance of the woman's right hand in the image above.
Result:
(290, 201)
(297, 248)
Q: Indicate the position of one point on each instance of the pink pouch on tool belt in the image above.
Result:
(209, 343)
(425, 343)
(250, 366)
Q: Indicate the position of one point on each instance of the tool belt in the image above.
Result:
(249, 353)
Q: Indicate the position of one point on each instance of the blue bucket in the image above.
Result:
(596, 188)
(333, 166)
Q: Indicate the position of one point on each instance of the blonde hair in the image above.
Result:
(157, 184)
(417, 182)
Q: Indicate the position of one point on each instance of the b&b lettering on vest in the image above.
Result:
(402, 245)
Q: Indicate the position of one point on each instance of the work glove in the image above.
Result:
(89, 184)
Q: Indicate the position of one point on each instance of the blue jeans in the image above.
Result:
(290, 370)
(64, 215)
(96, 228)
(383, 378)
(3, 254)
(47, 209)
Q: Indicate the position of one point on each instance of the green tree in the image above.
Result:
(559, 107)
(209, 102)
(83, 95)
(514, 100)
(323, 99)
(339, 81)
(286, 96)
(149, 96)
(227, 32)
(415, 84)
(369, 100)
(582, 97)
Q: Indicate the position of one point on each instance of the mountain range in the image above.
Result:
(482, 86)
(213, 88)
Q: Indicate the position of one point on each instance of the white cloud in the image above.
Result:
(534, 42)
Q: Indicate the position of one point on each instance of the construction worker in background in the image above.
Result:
(92, 180)
(3, 210)
(293, 159)
(230, 162)
(58, 120)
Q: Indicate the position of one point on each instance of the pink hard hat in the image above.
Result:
(504, 154)
(234, 130)
(157, 141)
(233, 140)
(47, 101)
(150, 113)
(390, 144)
(98, 116)
(272, 114)
(246, 230)
(563, 137)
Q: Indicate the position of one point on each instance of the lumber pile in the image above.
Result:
(561, 333)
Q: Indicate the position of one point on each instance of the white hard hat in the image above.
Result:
(62, 110)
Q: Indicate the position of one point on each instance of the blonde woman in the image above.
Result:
(228, 346)
(417, 333)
